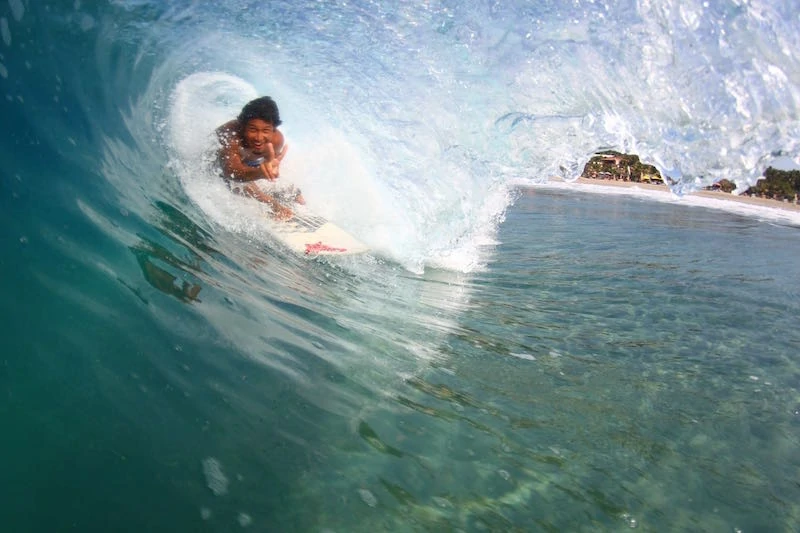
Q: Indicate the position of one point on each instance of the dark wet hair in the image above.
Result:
(264, 108)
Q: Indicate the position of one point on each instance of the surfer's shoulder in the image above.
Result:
(228, 132)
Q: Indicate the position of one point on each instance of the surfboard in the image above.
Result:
(310, 234)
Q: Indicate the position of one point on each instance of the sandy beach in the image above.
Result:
(719, 195)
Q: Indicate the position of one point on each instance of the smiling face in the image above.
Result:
(257, 133)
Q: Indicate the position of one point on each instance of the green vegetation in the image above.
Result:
(723, 185)
(777, 185)
(610, 165)
(613, 165)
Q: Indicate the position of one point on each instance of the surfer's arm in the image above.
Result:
(280, 211)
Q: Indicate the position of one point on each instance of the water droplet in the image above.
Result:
(367, 497)
(216, 480)
(442, 502)
(87, 22)
(244, 519)
(5, 32)
(17, 9)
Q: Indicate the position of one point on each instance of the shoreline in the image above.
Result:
(716, 195)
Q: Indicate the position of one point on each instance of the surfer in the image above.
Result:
(251, 150)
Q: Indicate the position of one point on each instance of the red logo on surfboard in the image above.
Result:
(319, 247)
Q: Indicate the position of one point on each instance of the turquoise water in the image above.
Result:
(576, 383)
(513, 356)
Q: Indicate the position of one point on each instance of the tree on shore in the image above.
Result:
(777, 185)
(617, 166)
(723, 185)
(612, 165)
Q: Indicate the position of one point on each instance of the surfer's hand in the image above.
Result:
(272, 168)
(270, 172)
(281, 212)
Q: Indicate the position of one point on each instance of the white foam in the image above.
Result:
(441, 223)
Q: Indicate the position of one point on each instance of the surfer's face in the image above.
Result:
(257, 133)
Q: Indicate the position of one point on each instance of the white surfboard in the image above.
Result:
(309, 234)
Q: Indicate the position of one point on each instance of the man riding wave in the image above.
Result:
(251, 151)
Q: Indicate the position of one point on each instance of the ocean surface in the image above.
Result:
(514, 354)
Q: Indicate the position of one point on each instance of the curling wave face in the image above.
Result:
(411, 121)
